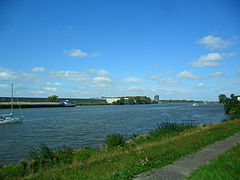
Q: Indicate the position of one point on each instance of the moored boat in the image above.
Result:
(194, 104)
(10, 118)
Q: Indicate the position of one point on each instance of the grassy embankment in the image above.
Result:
(226, 166)
(158, 148)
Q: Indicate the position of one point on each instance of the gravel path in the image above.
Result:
(182, 168)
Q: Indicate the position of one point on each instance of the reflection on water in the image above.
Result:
(88, 125)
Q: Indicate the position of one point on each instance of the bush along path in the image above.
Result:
(183, 168)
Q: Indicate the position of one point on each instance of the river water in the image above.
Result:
(89, 125)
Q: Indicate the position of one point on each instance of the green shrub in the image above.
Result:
(115, 140)
(83, 154)
(167, 128)
(45, 155)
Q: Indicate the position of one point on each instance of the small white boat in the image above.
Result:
(10, 118)
(194, 104)
(69, 104)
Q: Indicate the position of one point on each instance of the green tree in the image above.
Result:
(119, 102)
(52, 98)
(146, 100)
(154, 102)
(231, 105)
(134, 100)
(222, 98)
(131, 101)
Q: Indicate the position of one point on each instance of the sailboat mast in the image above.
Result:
(12, 100)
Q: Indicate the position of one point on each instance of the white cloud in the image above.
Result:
(70, 75)
(38, 69)
(187, 75)
(54, 84)
(200, 85)
(80, 53)
(101, 81)
(9, 75)
(89, 77)
(100, 72)
(50, 89)
(103, 72)
(217, 74)
(132, 79)
(75, 53)
(170, 81)
(212, 42)
(166, 81)
(211, 59)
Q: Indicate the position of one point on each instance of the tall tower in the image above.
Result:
(156, 97)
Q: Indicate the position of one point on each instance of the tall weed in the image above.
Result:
(115, 140)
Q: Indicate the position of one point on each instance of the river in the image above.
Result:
(89, 125)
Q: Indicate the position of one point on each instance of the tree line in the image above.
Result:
(134, 100)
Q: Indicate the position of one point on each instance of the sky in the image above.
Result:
(92, 48)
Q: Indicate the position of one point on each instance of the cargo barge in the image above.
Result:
(8, 105)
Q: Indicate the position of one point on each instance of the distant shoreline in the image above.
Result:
(7, 105)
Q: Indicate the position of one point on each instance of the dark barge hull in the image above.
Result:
(8, 106)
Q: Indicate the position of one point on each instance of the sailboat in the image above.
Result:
(10, 118)
(194, 104)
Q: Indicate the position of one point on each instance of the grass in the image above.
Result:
(169, 128)
(164, 145)
(226, 166)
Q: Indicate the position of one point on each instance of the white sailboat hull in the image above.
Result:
(8, 120)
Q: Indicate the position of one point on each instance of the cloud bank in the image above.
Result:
(212, 42)
(211, 59)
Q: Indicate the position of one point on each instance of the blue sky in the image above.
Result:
(177, 49)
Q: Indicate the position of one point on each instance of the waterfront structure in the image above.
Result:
(111, 99)
(114, 99)
(127, 97)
